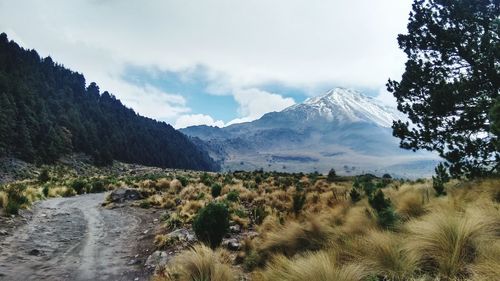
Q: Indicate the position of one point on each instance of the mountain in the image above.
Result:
(46, 111)
(342, 129)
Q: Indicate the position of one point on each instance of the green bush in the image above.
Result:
(299, 199)
(45, 190)
(211, 224)
(44, 176)
(440, 179)
(145, 204)
(216, 190)
(259, 214)
(79, 186)
(97, 186)
(233, 196)
(15, 198)
(386, 216)
(355, 195)
(184, 181)
(206, 179)
(332, 175)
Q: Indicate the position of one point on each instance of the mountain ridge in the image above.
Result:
(340, 128)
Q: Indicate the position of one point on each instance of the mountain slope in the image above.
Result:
(342, 129)
(46, 112)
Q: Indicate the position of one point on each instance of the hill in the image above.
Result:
(46, 111)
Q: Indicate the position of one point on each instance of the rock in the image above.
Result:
(157, 259)
(182, 234)
(121, 195)
(134, 262)
(232, 244)
(3, 232)
(34, 252)
(235, 228)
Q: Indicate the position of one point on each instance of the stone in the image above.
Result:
(34, 252)
(121, 195)
(235, 228)
(157, 259)
(232, 244)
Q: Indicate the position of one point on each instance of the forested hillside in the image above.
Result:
(46, 111)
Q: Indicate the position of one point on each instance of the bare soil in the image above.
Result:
(77, 239)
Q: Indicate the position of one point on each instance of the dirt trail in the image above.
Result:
(74, 239)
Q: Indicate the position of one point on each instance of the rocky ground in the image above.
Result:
(77, 239)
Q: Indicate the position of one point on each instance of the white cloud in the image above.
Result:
(243, 43)
(196, 119)
(253, 103)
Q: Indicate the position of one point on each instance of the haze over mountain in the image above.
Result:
(342, 129)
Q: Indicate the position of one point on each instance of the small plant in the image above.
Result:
(216, 190)
(233, 196)
(206, 179)
(299, 199)
(387, 218)
(79, 186)
(259, 213)
(332, 175)
(355, 195)
(211, 224)
(97, 186)
(440, 179)
(44, 176)
(145, 204)
(184, 181)
(45, 190)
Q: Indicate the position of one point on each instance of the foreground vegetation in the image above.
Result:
(304, 226)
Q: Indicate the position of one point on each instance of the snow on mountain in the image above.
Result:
(347, 106)
(342, 129)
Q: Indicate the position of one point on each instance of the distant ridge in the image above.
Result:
(341, 129)
(47, 112)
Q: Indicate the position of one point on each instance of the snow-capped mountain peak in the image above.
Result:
(347, 106)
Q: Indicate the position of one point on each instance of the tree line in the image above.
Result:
(47, 111)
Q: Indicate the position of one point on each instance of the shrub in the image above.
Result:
(79, 186)
(440, 179)
(355, 196)
(97, 186)
(299, 199)
(201, 264)
(386, 216)
(216, 190)
(184, 181)
(15, 198)
(45, 190)
(447, 242)
(206, 179)
(44, 176)
(319, 266)
(211, 224)
(259, 214)
(332, 175)
(145, 204)
(233, 196)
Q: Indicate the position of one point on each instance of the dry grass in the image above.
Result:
(311, 267)
(199, 264)
(446, 242)
(295, 237)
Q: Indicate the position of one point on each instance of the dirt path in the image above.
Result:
(74, 239)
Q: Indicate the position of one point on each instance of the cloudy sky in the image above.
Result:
(216, 62)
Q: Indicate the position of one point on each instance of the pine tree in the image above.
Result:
(451, 81)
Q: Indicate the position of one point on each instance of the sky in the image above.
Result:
(216, 62)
